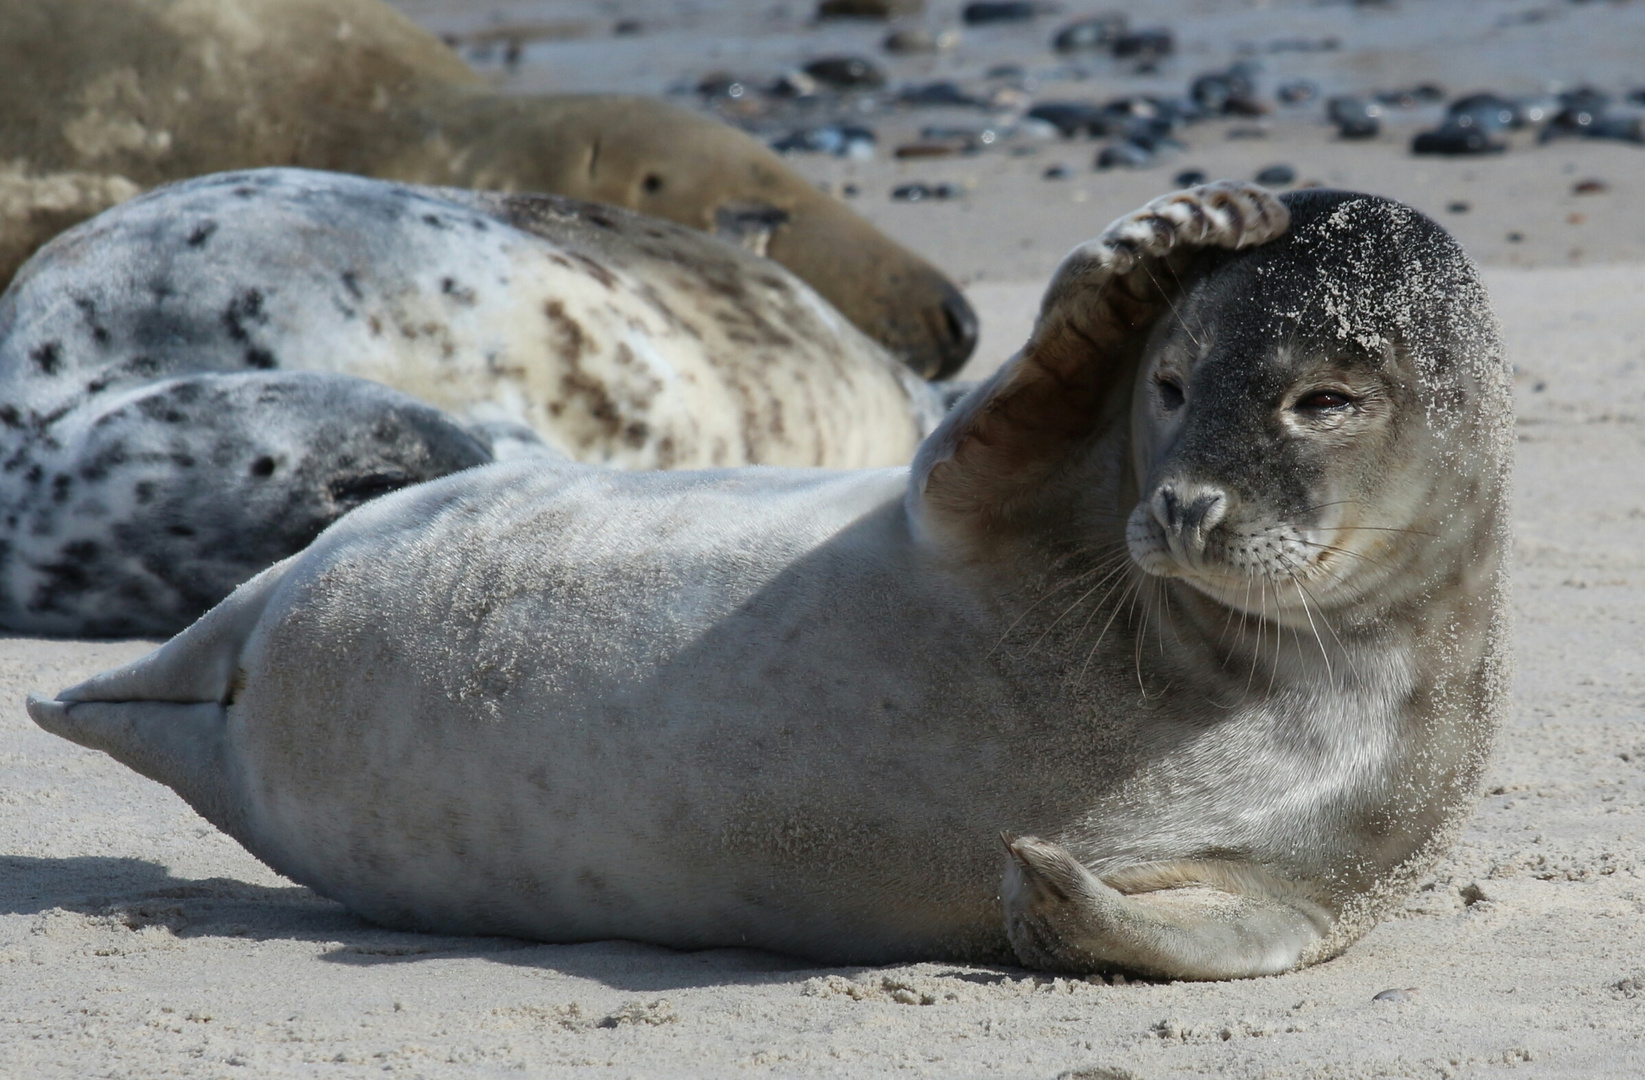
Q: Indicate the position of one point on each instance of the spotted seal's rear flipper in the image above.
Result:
(1060, 916)
(1068, 387)
(134, 514)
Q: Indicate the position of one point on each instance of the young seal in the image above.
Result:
(148, 464)
(106, 97)
(1208, 610)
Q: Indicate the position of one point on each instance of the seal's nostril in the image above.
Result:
(1201, 512)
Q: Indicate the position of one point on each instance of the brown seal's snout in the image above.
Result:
(1187, 513)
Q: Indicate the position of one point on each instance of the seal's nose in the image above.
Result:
(955, 346)
(1187, 513)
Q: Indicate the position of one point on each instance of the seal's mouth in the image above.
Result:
(1204, 538)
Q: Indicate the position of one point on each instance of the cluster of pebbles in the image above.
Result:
(826, 105)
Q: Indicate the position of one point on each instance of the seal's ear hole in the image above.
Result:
(652, 183)
(1171, 396)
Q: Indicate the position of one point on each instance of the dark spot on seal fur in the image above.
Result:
(435, 221)
(142, 365)
(61, 484)
(595, 270)
(462, 294)
(259, 358)
(263, 466)
(10, 417)
(47, 357)
(573, 340)
(247, 308)
(202, 232)
(652, 183)
(351, 282)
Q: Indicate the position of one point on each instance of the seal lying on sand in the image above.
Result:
(150, 464)
(106, 97)
(1208, 609)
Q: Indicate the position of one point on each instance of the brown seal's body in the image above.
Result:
(107, 97)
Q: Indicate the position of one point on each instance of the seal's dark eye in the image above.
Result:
(1323, 401)
(1170, 395)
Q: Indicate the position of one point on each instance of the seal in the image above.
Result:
(136, 353)
(1202, 598)
(108, 97)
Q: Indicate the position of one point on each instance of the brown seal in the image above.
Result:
(107, 97)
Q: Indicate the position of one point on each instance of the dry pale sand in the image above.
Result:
(135, 940)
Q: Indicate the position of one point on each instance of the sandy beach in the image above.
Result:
(137, 941)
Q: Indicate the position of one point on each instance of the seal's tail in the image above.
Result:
(165, 715)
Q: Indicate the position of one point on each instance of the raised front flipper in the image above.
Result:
(992, 468)
(1060, 916)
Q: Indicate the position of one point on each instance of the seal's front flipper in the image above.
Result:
(1060, 916)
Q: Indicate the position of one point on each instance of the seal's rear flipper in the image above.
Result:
(165, 714)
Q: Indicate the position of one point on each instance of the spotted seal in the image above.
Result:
(155, 446)
(1201, 599)
(108, 97)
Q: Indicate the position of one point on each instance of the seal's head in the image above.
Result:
(1308, 419)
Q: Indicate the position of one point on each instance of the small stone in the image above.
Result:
(1365, 127)
(1297, 92)
(910, 42)
(983, 12)
(1458, 207)
(1407, 994)
(1145, 45)
(922, 192)
(1576, 219)
(850, 191)
(1452, 140)
(1277, 176)
(846, 73)
(1189, 178)
(937, 94)
(879, 10)
(1124, 154)
(1471, 893)
(1056, 172)
(1589, 187)
(627, 27)
(1516, 238)
(1086, 35)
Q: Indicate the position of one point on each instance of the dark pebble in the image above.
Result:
(794, 84)
(1277, 176)
(1363, 127)
(1589, 187)
(1407, 994)
(909, 42)
(937, 94)
(1226, 93)
(627, 27)
(860, 9)
(1072, 118)
(1056, 172)
(1006, 71)
(1124, 155)
(1489, 112)
(1189, 178)
(721, 85)
(846, 73)
(1145, 45)
(1411, 97)
(983, 12)
(1297, 92)
(839, 140)
(850, 191)
(1345, 107)
(1086, 35)
(1450, 140)
(923, 192)
(1587, 123)
(1458, 207)
(1516, 238)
